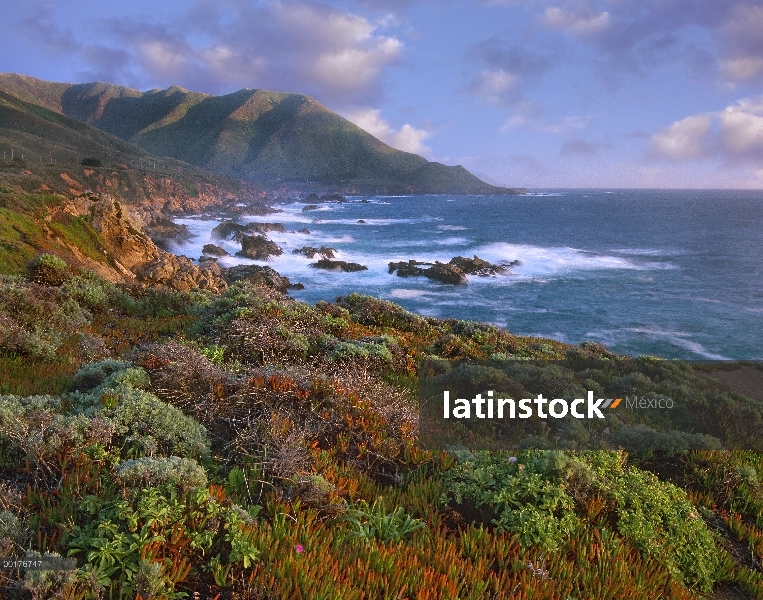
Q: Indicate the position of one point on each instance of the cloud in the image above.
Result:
(217, 47)
(504, 69)
(407, 138)
(581, 23)
(734, 135)
(579, 148)
(741, 36)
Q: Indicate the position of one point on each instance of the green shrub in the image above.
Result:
(48, 269)
(531, 494)
(94, 374)
(368, 523)
(182, 473)
(144, 425)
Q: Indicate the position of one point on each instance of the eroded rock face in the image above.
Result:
(181, 274)
(258, 247)
(338, 265)
(259, 276)
(437, 271)
(129, 246)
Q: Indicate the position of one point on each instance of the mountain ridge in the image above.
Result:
(265, 137)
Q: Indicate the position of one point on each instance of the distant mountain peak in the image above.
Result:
(262, 136)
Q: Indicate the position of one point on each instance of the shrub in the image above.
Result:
(368, 310)
(48, 269)
(90, 161)
(181, 473)
(94, 374)
(368, 523)
(143, 424)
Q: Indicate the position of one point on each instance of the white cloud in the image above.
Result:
(493, 85)
(741, 68)
(742, 127)
(217, 47)
(576, 22)
(407, 138)
(734, 134)
(684, 139)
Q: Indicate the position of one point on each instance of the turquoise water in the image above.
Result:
(676, 274)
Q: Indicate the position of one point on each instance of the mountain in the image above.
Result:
(275, 138)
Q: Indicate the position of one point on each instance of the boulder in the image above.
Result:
(304, 230)
(310, 251)
(258, 275)
(258, 247)
(230, 230)
(477, 266)
(338, 265)
(310, 207)
(181, 274)
(438, 271)
(213, 250)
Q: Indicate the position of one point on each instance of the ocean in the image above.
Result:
(670, 273)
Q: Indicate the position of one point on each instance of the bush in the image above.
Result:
(181, 473)
(48, 269)
(91, 162)
(143, 424)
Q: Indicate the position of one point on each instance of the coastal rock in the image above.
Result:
(310, 207)
(258, 247)
(477, 266)
(333, 198)
(258, 275)
(338, 265)
(230, 230)
(361, 221)
(310, 251)
(214, 250)
(438, 271)
(163, 231)
(128, 245)
(181, 274)
(304, 230)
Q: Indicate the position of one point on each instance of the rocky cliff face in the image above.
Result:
(132, 254)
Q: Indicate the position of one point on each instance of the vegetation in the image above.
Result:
(250, 445)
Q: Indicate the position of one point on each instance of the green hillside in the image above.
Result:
(256, 135)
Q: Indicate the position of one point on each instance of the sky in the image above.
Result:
(524, 93)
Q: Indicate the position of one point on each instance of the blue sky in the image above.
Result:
(579, 93)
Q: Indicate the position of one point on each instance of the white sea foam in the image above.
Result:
(452, 227)
(407, 293)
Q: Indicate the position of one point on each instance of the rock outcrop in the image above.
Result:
(213, 250)
(258, 275)
(477, 266)
(180, 273)
(437, 271)
(310, 251)
(136, 256)
(230, 230)
(338, 265)
(258, 247)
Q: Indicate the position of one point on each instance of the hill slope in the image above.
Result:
(256, 135)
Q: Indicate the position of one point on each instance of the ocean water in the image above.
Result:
(677, 274)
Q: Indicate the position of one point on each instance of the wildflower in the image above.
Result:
(512, 459)
(693, 515)
(521, 467)
(300, 549)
